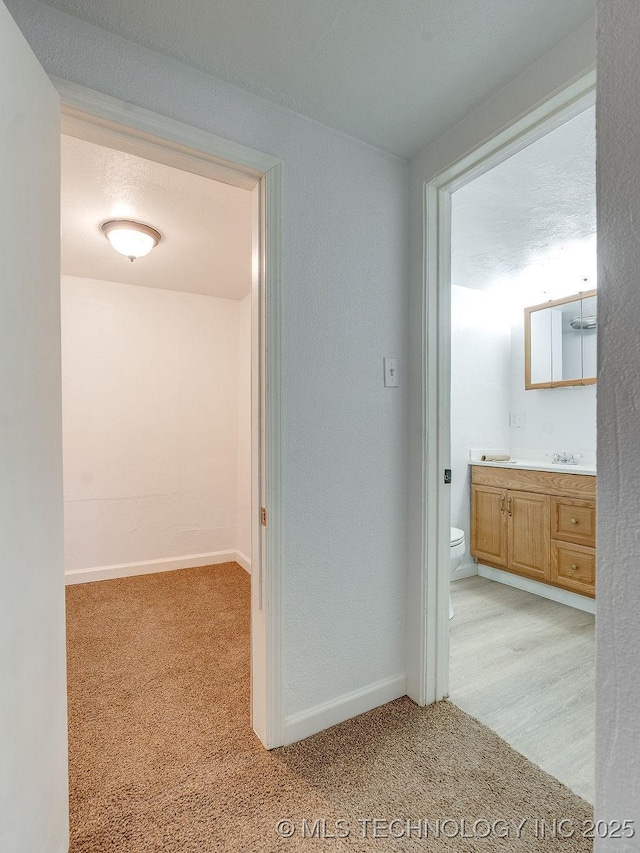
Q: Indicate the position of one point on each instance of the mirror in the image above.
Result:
(560, 342)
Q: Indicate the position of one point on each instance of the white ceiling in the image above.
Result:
(205, 225)
(394, 73)
(535, 211)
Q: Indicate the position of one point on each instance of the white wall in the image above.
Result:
(243, 540)
(344, 307)
(480, 390)
(33, 725)
(555, 418)
(618, 646)
(150, 423)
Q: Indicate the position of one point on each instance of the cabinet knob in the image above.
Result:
(574, 521)
(574, 566)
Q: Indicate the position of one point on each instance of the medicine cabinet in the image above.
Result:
(560, 342)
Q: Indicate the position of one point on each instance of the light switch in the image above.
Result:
(391, 373)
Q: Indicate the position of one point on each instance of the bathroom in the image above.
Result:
(523, 440)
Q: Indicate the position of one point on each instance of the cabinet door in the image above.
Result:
(489, 524)
(529, 539)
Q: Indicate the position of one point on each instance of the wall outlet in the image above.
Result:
(516, 419)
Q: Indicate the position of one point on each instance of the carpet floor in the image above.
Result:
(162, 755)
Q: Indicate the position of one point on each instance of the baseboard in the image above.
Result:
(466, 570)
(554, 593)
(343, 708)
(148, 567)
(244, 561)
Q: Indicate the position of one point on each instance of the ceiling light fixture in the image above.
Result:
(131, 239)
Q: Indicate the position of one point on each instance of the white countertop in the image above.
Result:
(539, 465)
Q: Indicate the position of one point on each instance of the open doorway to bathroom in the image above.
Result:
(523, 440)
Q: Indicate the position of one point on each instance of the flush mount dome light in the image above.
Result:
(131, 239)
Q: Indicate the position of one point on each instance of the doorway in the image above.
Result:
(436, 535)
(93, 118)
(523, 440)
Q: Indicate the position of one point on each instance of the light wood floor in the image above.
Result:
(524, 666)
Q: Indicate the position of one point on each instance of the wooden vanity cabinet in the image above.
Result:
(537, 524)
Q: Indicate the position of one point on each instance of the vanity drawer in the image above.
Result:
(573, 567)
(573, 521)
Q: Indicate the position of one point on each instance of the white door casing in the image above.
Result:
(33, 730)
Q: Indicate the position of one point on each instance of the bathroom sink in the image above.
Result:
(541, 465)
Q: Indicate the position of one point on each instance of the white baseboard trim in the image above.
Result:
(147, 567)
(343, 708)
(562, 596)
(244, 561)
(465, 570)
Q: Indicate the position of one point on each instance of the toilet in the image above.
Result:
(457, 553)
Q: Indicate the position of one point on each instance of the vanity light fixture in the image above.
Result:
(131, 239)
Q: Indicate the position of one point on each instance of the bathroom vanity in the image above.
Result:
(539, 524)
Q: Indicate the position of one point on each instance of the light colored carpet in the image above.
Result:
(162, 756)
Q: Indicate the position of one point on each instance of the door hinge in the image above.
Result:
(263, 516)
(447, 476)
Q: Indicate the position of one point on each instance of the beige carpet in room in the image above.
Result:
(162, 756)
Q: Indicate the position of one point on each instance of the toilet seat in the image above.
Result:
(457, 536)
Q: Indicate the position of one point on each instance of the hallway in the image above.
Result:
(163, 758)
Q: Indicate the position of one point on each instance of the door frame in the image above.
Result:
(99, 118)
(435, 369)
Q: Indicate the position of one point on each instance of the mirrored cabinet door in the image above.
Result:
(541, 352)
(570, 342)
(589, 347)
(560, 342)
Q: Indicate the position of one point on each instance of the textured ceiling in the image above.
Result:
(394, 73)
(535, 212)
(205, 225)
